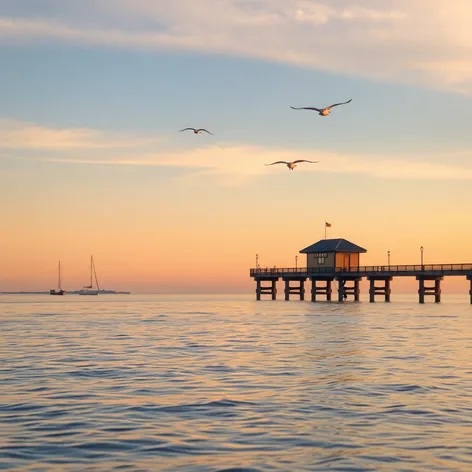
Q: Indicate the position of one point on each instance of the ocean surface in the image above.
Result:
(226, 383)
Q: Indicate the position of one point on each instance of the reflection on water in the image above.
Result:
(213, 383)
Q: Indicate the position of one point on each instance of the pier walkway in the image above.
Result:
(348, 280)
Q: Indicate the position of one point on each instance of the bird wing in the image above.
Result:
(306, 108)
(206, 131)
(336, 104)
(278, 162)
(303, 160)
(185, 129)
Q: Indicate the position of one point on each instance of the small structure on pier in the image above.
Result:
(333, 253)
(338, 261)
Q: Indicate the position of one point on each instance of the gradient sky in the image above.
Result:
(93, 94)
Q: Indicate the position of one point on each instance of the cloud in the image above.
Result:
(227, 164)
(21, 135)
(418, 41)
(236, 165)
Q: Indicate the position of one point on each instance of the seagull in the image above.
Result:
(322, 111)
(291, 165)
(196, 131)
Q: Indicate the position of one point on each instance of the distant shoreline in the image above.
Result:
(70, 292)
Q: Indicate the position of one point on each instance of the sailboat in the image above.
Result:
(88, 289)
(59, 290)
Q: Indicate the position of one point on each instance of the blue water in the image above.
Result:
(225, 383)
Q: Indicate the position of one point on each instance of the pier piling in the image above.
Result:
(434, 290)
(345, 290)
(266, 290)
(294, 289)
(379, 290)
(325, 290)
(469, 278)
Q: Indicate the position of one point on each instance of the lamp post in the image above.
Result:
(257, 261)
(388, 254)
(296, 262)
(421, 249)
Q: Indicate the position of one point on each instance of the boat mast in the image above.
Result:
(59, 280)
(91, 262)
(95, 273)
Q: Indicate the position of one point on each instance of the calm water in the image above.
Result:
(220, 383)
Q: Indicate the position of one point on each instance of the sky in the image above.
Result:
(93, 95)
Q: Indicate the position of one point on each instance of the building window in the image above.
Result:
(321, 260)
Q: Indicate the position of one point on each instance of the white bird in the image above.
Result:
(291, 165)
(322, 111)
(196, 131)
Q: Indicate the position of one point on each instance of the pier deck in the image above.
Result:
(368, 271)
(375, 274)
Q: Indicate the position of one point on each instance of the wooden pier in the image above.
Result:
(323, 272)
(429, 279)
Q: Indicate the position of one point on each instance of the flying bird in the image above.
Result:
(197, 131)
(291, 165)
(322, 111)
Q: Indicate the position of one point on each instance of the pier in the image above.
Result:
(324, 271)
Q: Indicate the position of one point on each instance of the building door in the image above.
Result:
(346, 261)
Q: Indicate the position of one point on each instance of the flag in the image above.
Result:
(328, 225)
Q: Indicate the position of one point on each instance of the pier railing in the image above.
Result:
(394, 270)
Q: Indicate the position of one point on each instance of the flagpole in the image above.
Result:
(325, 229)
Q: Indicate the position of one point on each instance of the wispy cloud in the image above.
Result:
(20, 135)
(236, 165)
(422, 41)
(228, 164)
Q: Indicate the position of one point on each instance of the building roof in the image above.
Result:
(333, 245)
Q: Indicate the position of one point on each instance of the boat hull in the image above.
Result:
(57, 292)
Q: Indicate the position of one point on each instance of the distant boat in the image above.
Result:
(59, 290)
(88, 289)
